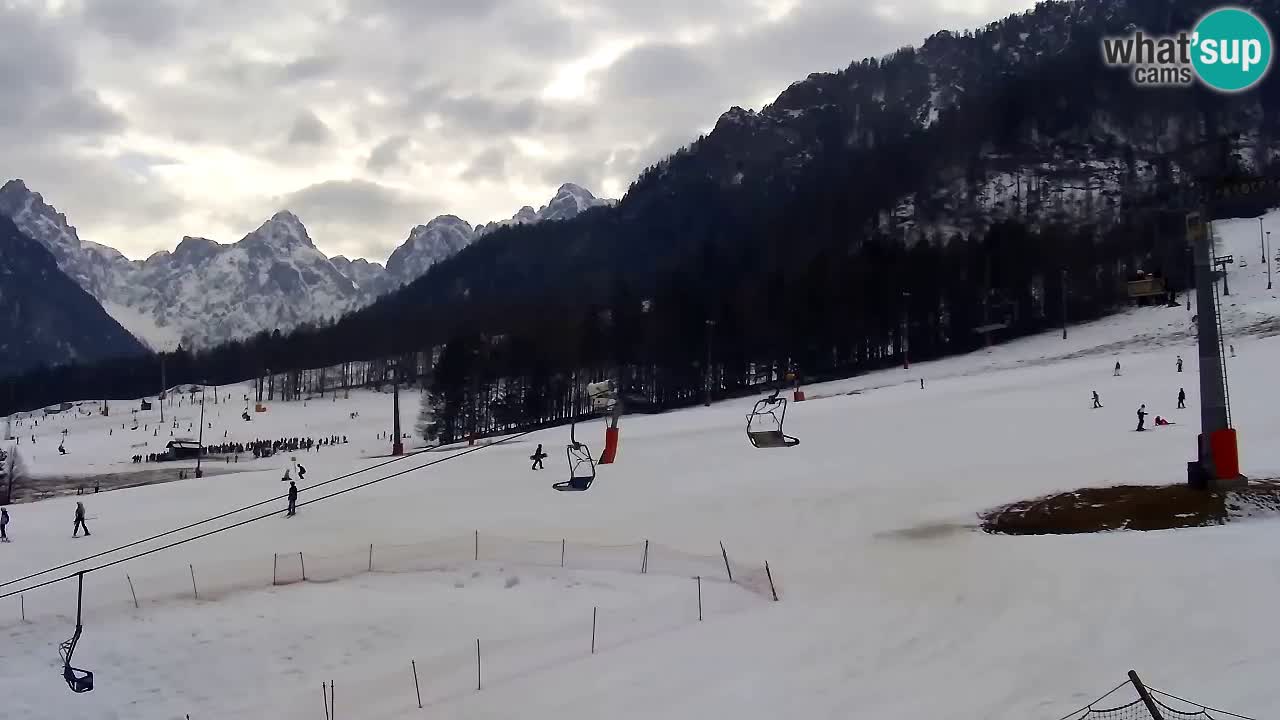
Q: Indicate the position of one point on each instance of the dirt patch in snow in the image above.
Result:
(1132, 507)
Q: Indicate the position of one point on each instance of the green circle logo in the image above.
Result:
(1231, 49)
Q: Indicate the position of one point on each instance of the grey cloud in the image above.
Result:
(308, 129)
(141, 22)
(387, 153)
(79, 112)
(655, 72)
(353, 201)
(490, 164)
(308, 68)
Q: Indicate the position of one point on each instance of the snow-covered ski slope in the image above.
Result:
(892, 605)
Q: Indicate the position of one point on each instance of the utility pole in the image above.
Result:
(906, 361)
(163, 387)
(710, 335)
(1268, 254)
(1261, 246)
(1064, 303)
(200, 452)
(397, 447)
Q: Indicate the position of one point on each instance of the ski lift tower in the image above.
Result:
(1217, 463)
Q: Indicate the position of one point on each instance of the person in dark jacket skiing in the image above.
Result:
(293, 499)
(4, 522)
(1096, 403)
(1142, 417)
(75, 530)
(537, 457)
(1117, 370)
(1182, 398)
(1179, 363)
(302, 472)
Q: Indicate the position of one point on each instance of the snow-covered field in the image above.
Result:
(892, 604)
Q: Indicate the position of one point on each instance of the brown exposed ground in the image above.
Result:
(1132, 507)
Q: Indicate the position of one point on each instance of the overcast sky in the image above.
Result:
(147, 120)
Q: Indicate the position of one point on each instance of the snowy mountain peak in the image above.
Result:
(427, 245)
(570, 200)
(282, 231)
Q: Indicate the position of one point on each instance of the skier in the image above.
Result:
(79, 521)
(1096, 403)
(921, 383)
(4, 521)
(1182, 399)
(1117, 370)
(302, 472)
(293, 499)
(1142, 417)
(537, 457)
(1179, 363)
(62, 449)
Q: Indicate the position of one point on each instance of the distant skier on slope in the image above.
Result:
(293, 500)
(1182, 398)
(302, 472)
(1096, 403)
(1116, 373)
(1142, 417)
(1179, 363)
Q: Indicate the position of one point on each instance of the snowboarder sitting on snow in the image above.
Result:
(1142, 417)
(1161, 421)
(75, 530)
(293, 500)
(537, 457)
(286, 477)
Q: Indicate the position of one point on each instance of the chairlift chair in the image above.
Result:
(80, 681)
(582, 466)
(764, 424)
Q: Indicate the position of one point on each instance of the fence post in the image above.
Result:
(324, 689)
(131, 591)
(561, 552)
(1146, 696)
(22, 600)
(303, 563)
(644, 563)
(769, 574)
(275, 568)
(370, 557)
(477, 545)
(594, 610)
(414, 663)
(699, 579)
(333, 704)
(725, 555)
(194, 591)
(477, 664)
